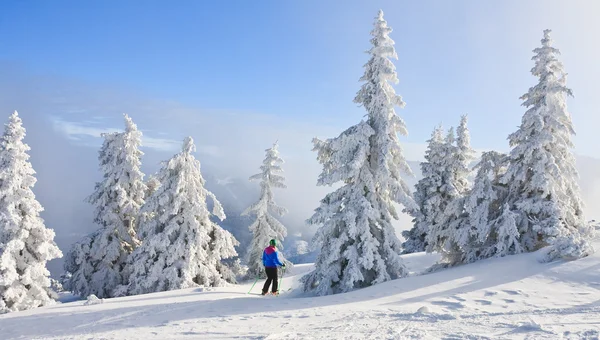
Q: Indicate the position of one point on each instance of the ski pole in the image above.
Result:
(255, 281)
(281, 281)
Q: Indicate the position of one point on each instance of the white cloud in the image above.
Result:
(74, 130)
(161, 144)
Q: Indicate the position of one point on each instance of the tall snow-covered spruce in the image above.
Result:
(182, 247)
(543, 193)
(359, 244)
(26, 245)
(266, 226)
(97, 263)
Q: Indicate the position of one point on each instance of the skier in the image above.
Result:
(271, 262)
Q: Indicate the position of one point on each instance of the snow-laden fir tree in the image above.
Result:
(484, 205)
(359, 246)
(542, 180)
(504, 239)
(459, 155)
(97, 263)
(428, 196)
(266, 226)
(79, 266)
(26, 245)
(119, 197)
(464, 156)
(440, 235)
(182, 246)
(152, 185)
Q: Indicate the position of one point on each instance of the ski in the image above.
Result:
(271, 294)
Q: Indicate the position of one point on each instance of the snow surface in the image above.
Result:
(514, 297)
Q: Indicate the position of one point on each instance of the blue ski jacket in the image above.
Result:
(271, 257)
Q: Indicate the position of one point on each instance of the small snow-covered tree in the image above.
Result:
(152, 185)
(483, 205)
(301, 247)
(79, 266)
(359, 246)
(458, 158)
(97, 264)
(505, 234)
(26, 245)
(441, 234)
(440, 195)
(542, 178)
(182, 247)
(266, 226)
(464, 156)
(427, 195)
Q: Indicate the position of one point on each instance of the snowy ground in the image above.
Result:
(509, 298)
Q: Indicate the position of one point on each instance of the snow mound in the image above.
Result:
(93, 300)
(514, 297)
(423, 310)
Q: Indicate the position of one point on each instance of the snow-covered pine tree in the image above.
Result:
(182, 247)
(464, 156)
(79, 266)
(127, 188)
(504, 238)
(26, 245)
(152, 185)
(117, 198)
(359, 244)
(441, 235)
(427, 196)
(457, 168)
(266, 226)
(542, 178)
(484, 205)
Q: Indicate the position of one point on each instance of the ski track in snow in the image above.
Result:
(515, 297)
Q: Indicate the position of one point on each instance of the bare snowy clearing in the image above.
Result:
(509, 298)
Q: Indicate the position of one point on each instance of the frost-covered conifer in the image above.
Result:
(427, 195)
(152, 185)
(457, 168)
(182, 247)
(266, 226)
(542, 180)
(484, 205)
(441, 234)
(79, 265)
(464, 156)
(505, 236)
(26, 245)
(359, 244)
(97, 263)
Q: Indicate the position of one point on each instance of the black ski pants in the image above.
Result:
(271, 277)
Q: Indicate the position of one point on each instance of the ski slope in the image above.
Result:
(515, 297)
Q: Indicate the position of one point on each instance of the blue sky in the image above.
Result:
(302, 59)
(238, 75)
